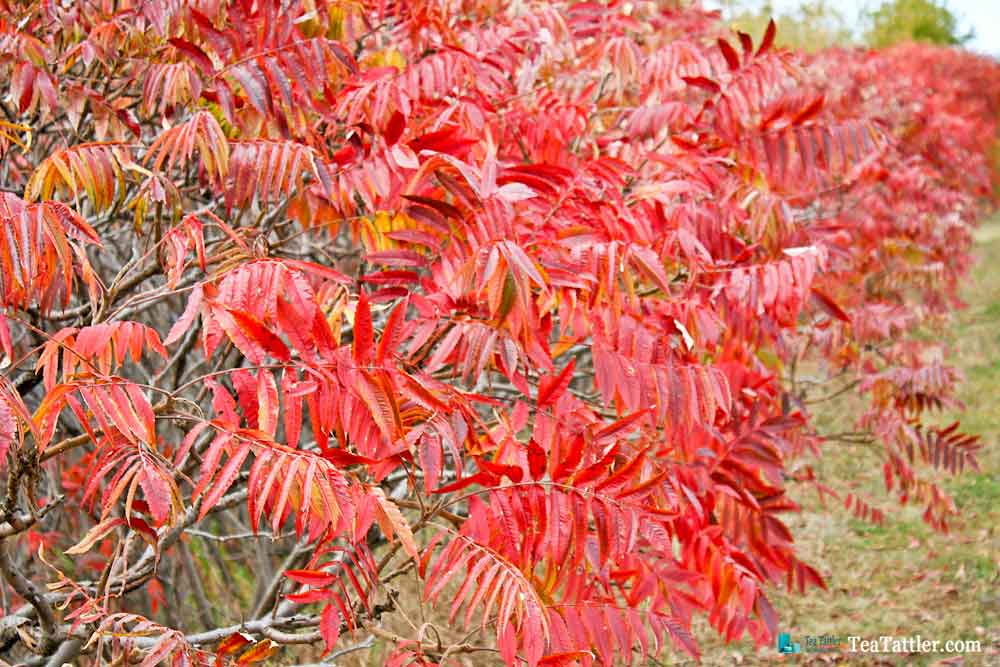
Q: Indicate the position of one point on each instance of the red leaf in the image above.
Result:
(157, 492)
(768, 40)
(317, 270)
(571, 461)
(537, 460)
(251, 337)
(829, 305)
(810, 111)
(551, 388)
(314, 578)
(329, 626)
(730, 54)
(224, 480)
(191, 310)
(483, 478)
(345, 458)
(363, 334)
(746, 42)
(254, 85)
(310, 596)
(702, 82)
(620, 426)
(445, 209)
(514, 473)
(8, 429)
(193, 52)
(391, 333)
(5, 343)
(394, 128)
(594, 471)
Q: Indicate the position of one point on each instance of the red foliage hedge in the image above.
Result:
(530, 298)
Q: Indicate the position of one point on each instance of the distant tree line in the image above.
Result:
(818, 24)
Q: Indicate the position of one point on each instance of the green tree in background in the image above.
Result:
(913, 21)
(815, 24)
(818, 24)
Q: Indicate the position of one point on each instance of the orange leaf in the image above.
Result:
(392, 522)
(94, 535)
(259, 652)
(233, 643)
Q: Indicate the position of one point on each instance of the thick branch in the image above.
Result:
(29, 592)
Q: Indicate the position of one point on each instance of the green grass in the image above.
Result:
(901, 578)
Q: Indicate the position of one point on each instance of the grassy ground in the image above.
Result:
(901, 578)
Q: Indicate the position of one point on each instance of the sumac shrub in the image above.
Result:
(306, 301)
